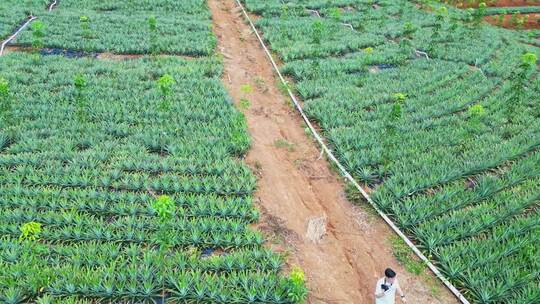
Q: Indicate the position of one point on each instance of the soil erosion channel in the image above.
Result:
(296, 185)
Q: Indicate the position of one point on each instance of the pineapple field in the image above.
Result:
(438, 115)
(148, 153)
(121, 179)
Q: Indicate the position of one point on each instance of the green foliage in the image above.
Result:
(399, 97)
(476, 114)
(335, 13)
(38, 34)
(246, 89)
(12, 12)
(397, 112)
(4, 88)
(152, 23)
(298, 291)
(317, 29)
(85, 26)
(284, 144)
(409, 29)
(441, 15)
(152, 27)
(501, 11)
(84, 20)
(442, 11)
(479, 13)
(244, 103)
(520, 78)
(514, 19)
(4, 101)
(80, 82)
(30, 231)
(5, 104)
(405, 256)
(477, 111)
(91, 182)
(500, 20)
(123, 27)
(165, 208)
(529, 60)
(165, 84)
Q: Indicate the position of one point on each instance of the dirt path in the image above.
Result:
(296, 185)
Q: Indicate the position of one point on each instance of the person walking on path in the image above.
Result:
(385, 291)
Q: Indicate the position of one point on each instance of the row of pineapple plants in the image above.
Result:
(122, 181)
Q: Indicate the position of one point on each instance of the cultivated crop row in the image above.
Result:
(121, 180)
(134, 27)
(13, 13)
(437, 113)
(88, 146)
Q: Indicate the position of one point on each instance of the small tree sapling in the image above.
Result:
(152, 28)
(514, 19)
(317, 31)
(30, 231)
(85, 26)
(246, 89)
(500, 20)
(479, 13)
(390, 128)
(5, 104)
(520, 82)
(165, 85)
(297, 291)
(38, 34)
(80, 102)
(436, 35)
(32, 250)
(476, 114)
(405, 44)
(4, 88)
(165, 209)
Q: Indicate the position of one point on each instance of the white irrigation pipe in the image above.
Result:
(32, 18)
(315, 11)
(346, 174)
(51, 7)
(422, 53)
(344, 24)
(417, 52)
(349, 26)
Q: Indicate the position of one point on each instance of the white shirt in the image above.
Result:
(390, 295)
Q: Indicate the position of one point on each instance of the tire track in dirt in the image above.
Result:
(295, 184)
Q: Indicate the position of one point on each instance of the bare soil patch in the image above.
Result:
(532, 21)
(296, 185)
(499, 3)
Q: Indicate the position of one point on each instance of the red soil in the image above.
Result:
(497, 3)
(533, 21)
